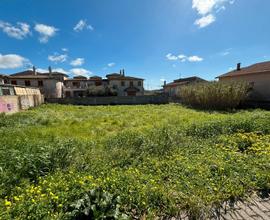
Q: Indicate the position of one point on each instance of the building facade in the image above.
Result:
(173, 89)
(257, 75)
(50, 84)
(58, 85)
(115, 84)
(126, 85)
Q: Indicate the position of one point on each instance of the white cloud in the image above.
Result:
(60, 70)
(80, 72)
(77, 62)
(207, 10)
(111, 64)
(45, 32)
(57, 58)
(203, 6)
(64, 49)
(40, 70)
(82, 24)
(20, 31)
(12, 61)
(205, 21)
(169, 56)
(195, 59)
(184, 58)
(226, 52)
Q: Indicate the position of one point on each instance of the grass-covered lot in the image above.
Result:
(73, 162)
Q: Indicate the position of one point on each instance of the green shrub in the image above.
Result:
(25, 159)
(215, 95)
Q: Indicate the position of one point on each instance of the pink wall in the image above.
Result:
(9, 104)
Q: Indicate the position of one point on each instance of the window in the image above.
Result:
(122, 83)
(40, 83)
(98, 83)
(27, 83)
(139, 83)
(6, 91)
(14, 82)
(76, 84)
(131, 83)
(68, 94)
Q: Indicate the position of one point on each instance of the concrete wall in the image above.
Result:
(22, 98)
(113, 100)
(260, 81)
(9, 104)
(12, 104)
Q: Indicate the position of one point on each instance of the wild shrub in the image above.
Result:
(25, 159)
(215, 95)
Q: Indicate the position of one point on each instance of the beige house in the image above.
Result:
(79, 86)
(58, 85)
(50, 84)
(115, 84)
(126, 85)
(258, 75)
(173, 89)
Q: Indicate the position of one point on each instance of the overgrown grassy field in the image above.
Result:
(126, 162)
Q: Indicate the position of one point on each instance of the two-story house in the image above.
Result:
(50, 84)
(126, 85)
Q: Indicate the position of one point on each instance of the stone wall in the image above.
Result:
(113, 100)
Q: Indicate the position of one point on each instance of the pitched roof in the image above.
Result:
(255, 68)
(32, 73)
(184, 81)
(30, 77)
(121, 77)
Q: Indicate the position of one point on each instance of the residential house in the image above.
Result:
(115, 84)
(258, 75)
(50, 84)
(173, 89)
(79, 86)
(126, 85)
(58, 85)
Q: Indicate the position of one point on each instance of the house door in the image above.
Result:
(131, 93)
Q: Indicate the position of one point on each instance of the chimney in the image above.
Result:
(165, 82)
(50, 71)
(238, 67)
(34, 70)
(123, 72)
(120, 72)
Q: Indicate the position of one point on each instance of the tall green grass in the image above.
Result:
(117, 162)
(215, 95)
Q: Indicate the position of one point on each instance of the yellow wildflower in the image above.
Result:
(7, 203)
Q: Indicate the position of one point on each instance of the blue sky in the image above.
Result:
(152, 39)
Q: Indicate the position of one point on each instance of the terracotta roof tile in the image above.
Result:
(255, 68)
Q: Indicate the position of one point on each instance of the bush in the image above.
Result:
(215, 95)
